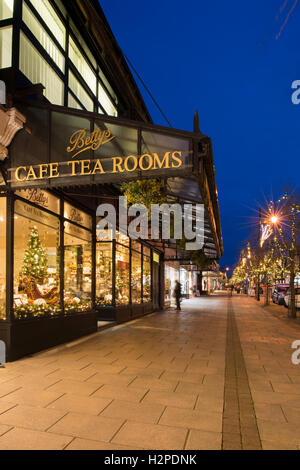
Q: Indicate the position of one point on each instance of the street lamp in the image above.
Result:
(274, 219)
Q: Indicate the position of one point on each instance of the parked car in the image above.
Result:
(287, 297)
(279, 292)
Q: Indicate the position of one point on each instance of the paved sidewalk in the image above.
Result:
(159, 382)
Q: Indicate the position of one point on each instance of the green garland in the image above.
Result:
(24, 312)
(71, 306)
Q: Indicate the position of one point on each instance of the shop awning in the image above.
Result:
(62, 147)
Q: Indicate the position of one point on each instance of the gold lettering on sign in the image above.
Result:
(146, 162)
(80, 141)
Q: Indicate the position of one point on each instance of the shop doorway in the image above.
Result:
(156, 285)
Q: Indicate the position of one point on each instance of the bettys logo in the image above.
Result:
(75, 216)
(81, 141)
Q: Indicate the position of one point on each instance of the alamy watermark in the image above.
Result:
(296, 94)
(164, 222)
(296, 355)
(2, 353)
(2, 92)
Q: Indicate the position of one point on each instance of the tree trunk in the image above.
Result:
(267, 302)
(292, 303)
(258, 289)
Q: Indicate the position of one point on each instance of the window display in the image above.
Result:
(122, 275)
(36, 263)
(136, 277)
(103, 235)
(146, 277)
(104, 274)
(78, 269)
(122, 267)
(121, 238)
(2, 257)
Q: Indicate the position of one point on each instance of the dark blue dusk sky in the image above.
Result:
(206, 55)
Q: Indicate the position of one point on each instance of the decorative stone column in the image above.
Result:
(11, 121)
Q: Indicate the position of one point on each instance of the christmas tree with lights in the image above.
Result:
(35, 264)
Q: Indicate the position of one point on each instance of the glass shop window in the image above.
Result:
(36, 262)
(136, 277)
(43, 37)
(37, 70)
(80, 92)
(104, 274)
(78, 269)
(72, 103)
(146, 278)
(5, 47)
(122, 275)
(108, 86)
(146, 251)
(135, 245)
(6, 9)
(121, 238)
(82, 43)
(105, 102)
(2, 258)
(82, 66)
(75, 215)
(103, 235)
(51, 19)
(41, 198)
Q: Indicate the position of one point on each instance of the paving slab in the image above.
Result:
(217, 376)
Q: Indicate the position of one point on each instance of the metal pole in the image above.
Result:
(259, 253)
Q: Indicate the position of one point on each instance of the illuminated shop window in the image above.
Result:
(146, 277)
(105, 235)
(105, 102)
(82, 66)
(107, 84)
(135, 245)
(2, 258)
(122, 275)
(80, 92)
(104, 274)
(121, 238)
(36, 262)
(43, 37)
(6, 9)
(136, 277)
(72, 103)
(155, 257)
(78, 269)
(51, 19)
(37, 70)
(5, 47)
(81, 41)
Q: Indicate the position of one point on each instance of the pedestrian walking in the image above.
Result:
(177, 294)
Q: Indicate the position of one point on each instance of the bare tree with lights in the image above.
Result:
(286, 222)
